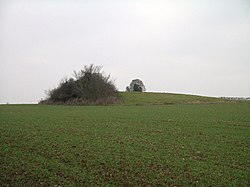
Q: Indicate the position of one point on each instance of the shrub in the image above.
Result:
(90, 86)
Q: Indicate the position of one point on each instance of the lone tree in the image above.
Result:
(89, 86)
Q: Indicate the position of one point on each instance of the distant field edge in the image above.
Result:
(153, 98)
(161, 98)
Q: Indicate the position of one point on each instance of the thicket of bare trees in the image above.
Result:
(89, 86)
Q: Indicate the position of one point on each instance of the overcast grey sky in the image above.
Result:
(181, 46)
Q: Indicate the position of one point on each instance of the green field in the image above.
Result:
(151, 98)
(130, 144)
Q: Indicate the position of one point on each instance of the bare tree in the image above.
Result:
(89, 85)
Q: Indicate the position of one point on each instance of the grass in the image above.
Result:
(150, 145)
(151, 98)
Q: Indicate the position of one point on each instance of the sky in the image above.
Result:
(199, 47)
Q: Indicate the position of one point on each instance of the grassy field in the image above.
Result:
(144, 145)
(151, 98)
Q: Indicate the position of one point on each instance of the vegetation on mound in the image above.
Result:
(89, 86)
(150, 98)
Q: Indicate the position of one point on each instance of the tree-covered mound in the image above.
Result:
(89, 86)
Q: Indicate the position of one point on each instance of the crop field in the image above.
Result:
(145, 145)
